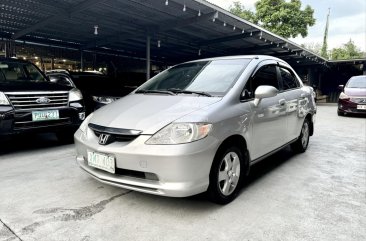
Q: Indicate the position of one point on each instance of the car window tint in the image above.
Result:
(289, 80)
(357, 82)
(266, 75)
(215, 77)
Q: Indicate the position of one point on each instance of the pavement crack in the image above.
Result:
(67, 214)
(10, 230)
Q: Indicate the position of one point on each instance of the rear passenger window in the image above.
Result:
(289, 80)
(266, 75)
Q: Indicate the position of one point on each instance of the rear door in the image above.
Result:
(291, 89)
(269, 117)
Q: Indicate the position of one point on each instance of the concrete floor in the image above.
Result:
(318, 195)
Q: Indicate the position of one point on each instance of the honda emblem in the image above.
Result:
(104, 139)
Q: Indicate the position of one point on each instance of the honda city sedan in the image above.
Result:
(198, 127)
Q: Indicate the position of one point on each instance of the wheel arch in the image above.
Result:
(309, 117)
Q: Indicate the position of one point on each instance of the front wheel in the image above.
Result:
(227, 171)
(302, 142)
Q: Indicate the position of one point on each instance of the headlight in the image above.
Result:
(343, 96)
(84, 126)
(179, 133)
(104, 100)
(75, 95)
(3, 99)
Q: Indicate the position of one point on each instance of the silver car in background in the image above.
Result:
(198, 127)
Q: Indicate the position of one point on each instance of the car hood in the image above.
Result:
(355, 92)
(10, 86)
(149, 113)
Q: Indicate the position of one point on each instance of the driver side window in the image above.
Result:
(266, 75)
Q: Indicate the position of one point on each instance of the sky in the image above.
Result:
(347, 21)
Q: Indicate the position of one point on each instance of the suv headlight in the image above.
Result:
(3, 99)
(84, 126)
(104, 100)
(180, 133)
(343, 96)
(75, 95)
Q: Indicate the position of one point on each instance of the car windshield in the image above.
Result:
(203, 78)
(22, 72)
(357, 82)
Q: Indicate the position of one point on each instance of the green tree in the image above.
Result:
(348, 51)
(286, 19)
(239, 10)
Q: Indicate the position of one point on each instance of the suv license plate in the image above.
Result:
(361, 107)
(45, 115)
(101, 161)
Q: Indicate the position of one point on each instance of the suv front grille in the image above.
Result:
(38, 100)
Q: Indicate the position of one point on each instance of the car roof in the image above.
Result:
(259, 57)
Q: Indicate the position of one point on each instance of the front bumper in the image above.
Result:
(176, 170)
(15, 122)
(347, 106)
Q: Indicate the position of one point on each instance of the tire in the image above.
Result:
(340, 113)
(231, 166)
(302, 142)
(65, 136)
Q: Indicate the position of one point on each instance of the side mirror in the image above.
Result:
(264, 91)
(341, 87)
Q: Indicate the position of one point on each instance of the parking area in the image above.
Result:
(318, 195)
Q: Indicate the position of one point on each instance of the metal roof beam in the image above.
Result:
(228, 38)
(62, 14)
(163, 27)
(185, 22)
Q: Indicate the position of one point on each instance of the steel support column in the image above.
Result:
(148, 67)
(81, 61)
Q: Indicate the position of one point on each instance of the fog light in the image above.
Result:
(82, 115)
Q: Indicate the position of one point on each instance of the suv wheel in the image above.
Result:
(226, 175)
(301, 144)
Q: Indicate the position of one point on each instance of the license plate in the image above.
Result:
(361, 107)
(45, 115)
(101, 161)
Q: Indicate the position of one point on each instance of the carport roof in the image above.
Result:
(183, 29)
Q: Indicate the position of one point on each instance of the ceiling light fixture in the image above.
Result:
(96, 29)
(199, 13)
(184, 7)
(199, 52)
(166, 3)
(159, 43)
(234, 28)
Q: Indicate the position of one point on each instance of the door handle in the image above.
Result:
(282, 101)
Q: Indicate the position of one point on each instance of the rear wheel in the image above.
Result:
(301, 144)
(340, 113)
(226, 175)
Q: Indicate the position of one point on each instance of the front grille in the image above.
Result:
(20, 125)
(116, 134)
(38, 100)
(358, 100)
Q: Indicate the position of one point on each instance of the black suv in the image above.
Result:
(30, 102)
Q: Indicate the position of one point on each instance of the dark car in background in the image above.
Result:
(352, 99)
(97, 88)
(29, 102)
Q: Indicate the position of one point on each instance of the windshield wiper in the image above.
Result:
(178, 91)
(155, 92)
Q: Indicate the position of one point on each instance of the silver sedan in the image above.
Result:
(198, 127)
